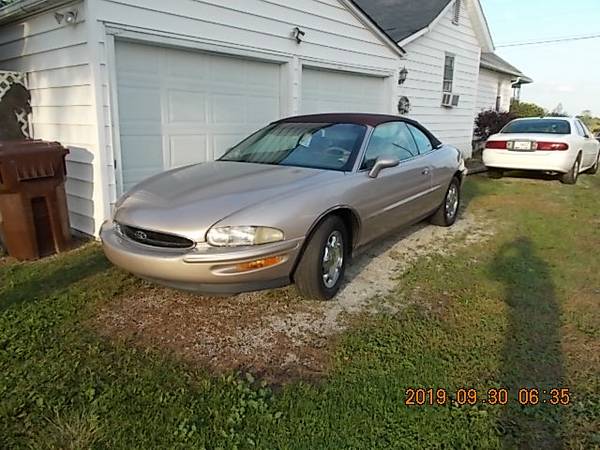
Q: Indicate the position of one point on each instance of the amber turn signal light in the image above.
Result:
(258, 264)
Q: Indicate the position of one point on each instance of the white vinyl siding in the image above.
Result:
(425, 64)
(329, 91)
(491, 85)
(56, 59)
(332, 32)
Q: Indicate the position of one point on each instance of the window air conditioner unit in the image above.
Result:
(455, 100)
(450, 100)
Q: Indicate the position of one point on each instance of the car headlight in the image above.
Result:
(242, 236)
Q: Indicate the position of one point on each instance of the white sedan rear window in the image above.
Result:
(543, 126)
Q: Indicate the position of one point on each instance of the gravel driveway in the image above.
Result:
(276, 334)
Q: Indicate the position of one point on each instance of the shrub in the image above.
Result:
(491, 122)
(524, 109)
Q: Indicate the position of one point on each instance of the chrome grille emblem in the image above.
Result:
(141, 235)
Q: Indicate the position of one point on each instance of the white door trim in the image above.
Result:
(111, 60)
(150, 37)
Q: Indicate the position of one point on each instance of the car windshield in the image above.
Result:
(331, 146)
(543, 126)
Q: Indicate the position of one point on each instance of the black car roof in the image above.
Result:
(372, 120)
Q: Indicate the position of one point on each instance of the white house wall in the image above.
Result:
(335, 39)
(425, 64)
(56, 59)
(71, 67)
(492, 84)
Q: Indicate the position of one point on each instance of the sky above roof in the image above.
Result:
(565, 72)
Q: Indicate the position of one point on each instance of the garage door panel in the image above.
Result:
(140, 59)
(181, 65)
(330, 91)
(259, 109)
(188, 106)
(229, 71)
(143, 104)
(143, 158)
(226, 109)
(260, 76)
(188, 150)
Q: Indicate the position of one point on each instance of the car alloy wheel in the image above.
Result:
(447, 213)
(321, 268)
(452, 201)
(333, 259)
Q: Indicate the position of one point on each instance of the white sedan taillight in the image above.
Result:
(551, 146)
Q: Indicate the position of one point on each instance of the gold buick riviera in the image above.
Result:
(292, 203)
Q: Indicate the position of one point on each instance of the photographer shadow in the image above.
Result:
(532, 357)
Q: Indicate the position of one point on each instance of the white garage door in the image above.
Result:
(329, 91)
(179, 107)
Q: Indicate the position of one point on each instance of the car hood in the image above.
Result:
(189, 200)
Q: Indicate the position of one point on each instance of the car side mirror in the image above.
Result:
(382, 163)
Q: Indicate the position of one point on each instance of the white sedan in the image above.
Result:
(559, 145)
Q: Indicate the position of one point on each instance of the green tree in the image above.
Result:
(593, 123)
(524, 109)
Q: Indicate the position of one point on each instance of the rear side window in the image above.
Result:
(423, 143)
(543, 126)
(581, 129)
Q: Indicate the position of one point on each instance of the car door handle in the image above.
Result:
(426, 172)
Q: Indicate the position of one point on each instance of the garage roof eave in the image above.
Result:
(374, 26)
(22, 9)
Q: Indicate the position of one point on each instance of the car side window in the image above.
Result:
(580, 131)
(586, 130)
(423, 142)
(392, 140)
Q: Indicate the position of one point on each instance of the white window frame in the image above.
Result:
(448, 83)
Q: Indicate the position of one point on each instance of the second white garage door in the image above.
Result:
(331, 91)
(178, 107)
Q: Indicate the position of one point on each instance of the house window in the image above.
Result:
(456, 13)
(448, 73)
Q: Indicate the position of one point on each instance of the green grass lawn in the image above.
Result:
(520, 310)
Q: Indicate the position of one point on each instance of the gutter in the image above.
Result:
(524, 79)
(22, 9)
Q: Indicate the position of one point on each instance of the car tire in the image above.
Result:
(572, 175)
(495, 173)
(320, 272)
(447, 213)
(594, 169)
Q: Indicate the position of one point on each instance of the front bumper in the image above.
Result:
(204, 268)
(556, 161)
